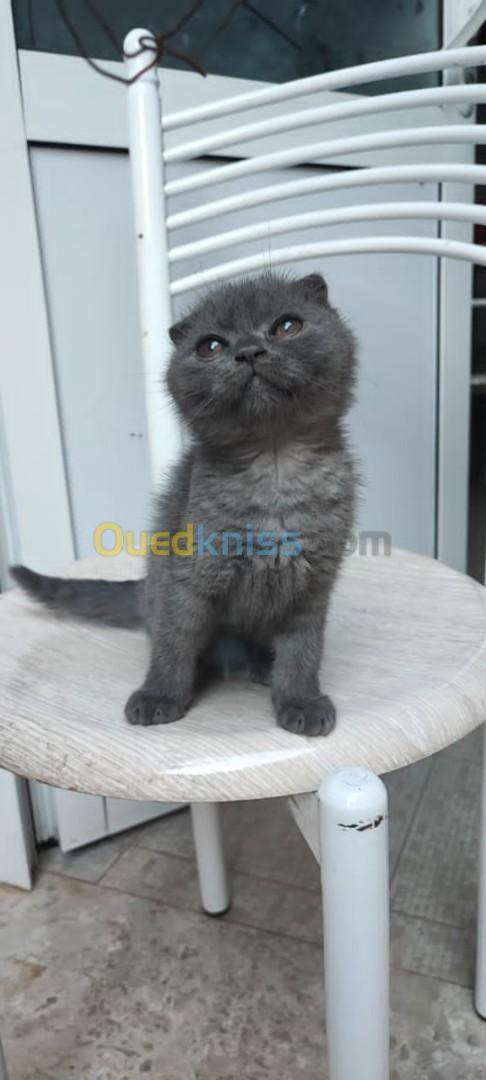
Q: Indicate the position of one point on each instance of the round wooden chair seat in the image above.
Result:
(405, 662)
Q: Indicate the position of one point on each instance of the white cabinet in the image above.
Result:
(74, 820)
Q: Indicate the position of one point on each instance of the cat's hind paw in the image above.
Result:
(145, 707)
(313, 716)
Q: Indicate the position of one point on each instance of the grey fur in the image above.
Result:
(117, 603)
(269, 449)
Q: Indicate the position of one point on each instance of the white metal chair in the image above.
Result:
(228, 746)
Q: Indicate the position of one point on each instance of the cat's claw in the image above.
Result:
(145, 707)
(315, 716)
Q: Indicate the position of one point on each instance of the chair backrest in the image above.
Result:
(161, 258)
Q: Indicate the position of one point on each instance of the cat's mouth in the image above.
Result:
(261, 389)
(256, 384)
(262, 378)
(256, 377)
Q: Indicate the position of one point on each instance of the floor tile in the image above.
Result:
(255, 902)
(296, 913)
(418, 945)
(98, 985)
(470, 747)
(260, 838)
(117, 987)
(437, 875)
(436, 1034)
(430, 948)
(171, 835)
(88, 863)
(155, 876)
(405, 788)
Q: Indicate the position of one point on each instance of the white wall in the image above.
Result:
(84, 213)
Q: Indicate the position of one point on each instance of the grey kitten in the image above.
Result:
(263, 373)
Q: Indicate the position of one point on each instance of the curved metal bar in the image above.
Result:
(454, 249)
(302, 155)
(407, 99)
(434, 211)
(147, 180)
(358, 75)
(341, 180)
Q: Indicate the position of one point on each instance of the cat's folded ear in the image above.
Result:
(315, 286)
(179, 331)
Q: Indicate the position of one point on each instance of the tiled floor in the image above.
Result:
(110, 972)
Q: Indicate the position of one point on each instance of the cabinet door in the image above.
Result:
(74, 819)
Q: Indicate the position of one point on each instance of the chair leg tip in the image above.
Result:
(218, 914)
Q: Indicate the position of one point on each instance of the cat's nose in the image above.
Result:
(249, 352)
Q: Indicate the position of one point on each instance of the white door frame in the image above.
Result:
(38, 514)
(34, 506)
(17, 847)
(461, 21)
(50, 98)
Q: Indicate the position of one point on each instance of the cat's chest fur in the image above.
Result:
(296, 489)
(269, 491)
(283, 487)
(275, 476)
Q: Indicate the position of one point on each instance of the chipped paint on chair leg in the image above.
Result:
(355, 897)
(480, 997)
(208, 842)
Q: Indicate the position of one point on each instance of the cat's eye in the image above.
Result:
(210, 347)
(287, 327)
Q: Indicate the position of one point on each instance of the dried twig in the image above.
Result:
(80, 46)
(160, 44)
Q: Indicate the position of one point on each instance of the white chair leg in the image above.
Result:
(355, 899)
(208, 842)
(480, 998)
(3, 1065)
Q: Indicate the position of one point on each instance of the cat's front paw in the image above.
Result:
(312, 716)
(148, 707)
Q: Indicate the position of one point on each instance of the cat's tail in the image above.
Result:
(116, 603)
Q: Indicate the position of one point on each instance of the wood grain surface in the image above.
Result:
(405, 661)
